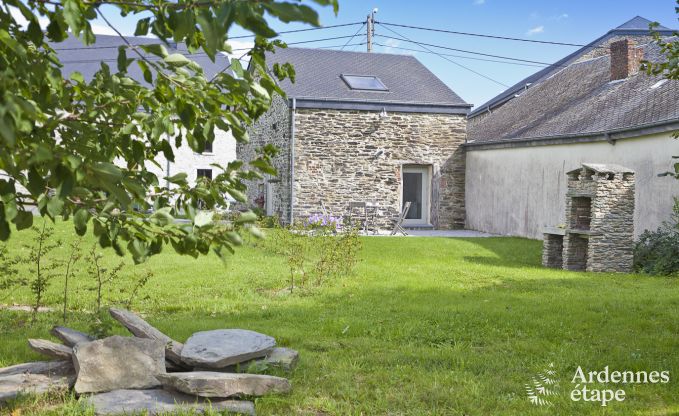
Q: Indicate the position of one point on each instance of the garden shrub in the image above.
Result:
(316, 249)
(657, 252)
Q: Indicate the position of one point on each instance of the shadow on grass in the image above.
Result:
(521, 253)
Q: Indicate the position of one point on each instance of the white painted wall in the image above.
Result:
(517, 191)
(186, 160)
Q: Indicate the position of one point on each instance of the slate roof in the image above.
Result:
(581, 99)
(318, 78)
(87, 59)
(637, 26)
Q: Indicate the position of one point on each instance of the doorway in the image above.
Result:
(416, 190)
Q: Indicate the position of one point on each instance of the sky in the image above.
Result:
(573, 21)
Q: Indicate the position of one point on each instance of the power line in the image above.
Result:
(486, 36)
(466, 51)
(234, 37)
(443, 57)
(303, 30)
(359, 29)
(461, 56)
(202, 54)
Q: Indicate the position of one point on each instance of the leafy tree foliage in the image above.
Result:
(667, 67)
(82, 148)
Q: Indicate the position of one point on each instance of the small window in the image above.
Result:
(208, 147)
(364, 82)
(204, 173)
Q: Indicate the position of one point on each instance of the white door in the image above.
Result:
(416, 181)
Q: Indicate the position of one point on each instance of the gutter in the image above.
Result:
(610, 136)
(378, 105)
(293, 111)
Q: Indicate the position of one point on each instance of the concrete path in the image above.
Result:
(437, 233)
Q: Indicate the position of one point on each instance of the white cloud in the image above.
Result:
(534, 15)
(21, 20)
(391, 45)
(562, 16)
(240, 48)
(104, 30)
(479, 2)
(536, 30)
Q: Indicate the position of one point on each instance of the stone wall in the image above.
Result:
(272, 128)
(552, 251)
(343, 156)
(611, 245)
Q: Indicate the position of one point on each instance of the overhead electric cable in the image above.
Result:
(234, 37)
(484, 35)
(461, 56)
(442, 56)
(359, 29)
(464, 51)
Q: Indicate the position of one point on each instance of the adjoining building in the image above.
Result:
(87, 60)
(593, 106)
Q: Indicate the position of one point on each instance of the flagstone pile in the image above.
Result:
(151, 372)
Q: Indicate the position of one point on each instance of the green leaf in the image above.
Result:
(247, 216)
(142, 27)
(177, 59)
(80, 219)
(55, 206)
(288, 12)
(107, 172)
(148, 76)
(123, 62)
(36, 184)
(179, 178)
(203, 218)
(162, 217)
(23, 220)
(155, 49)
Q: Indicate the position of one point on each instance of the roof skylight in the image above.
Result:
(364, 82)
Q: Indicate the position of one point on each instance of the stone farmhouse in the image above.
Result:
(363, 127)
(87, 60)
(381, 128)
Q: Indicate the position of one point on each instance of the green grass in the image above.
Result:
(425, 326)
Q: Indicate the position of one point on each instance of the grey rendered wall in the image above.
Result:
(517, 191)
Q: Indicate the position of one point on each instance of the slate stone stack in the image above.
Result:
(599, 232)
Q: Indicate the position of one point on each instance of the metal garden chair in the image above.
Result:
(398, 227)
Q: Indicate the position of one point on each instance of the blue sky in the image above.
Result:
(574, 21)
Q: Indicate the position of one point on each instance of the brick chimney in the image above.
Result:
(625, 59)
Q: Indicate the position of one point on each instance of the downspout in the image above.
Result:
(292, 158)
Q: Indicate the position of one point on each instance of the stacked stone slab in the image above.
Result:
(135, 374)
(599, 232)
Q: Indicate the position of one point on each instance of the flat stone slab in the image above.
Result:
(216, 384)
(14, 385)
(51, 349)
(49, 368)
(279, 358)
(224, 347)
(142, 329)
(118, 363)
(69, 336)
(154, 402)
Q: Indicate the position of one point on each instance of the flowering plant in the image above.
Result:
(324, 221)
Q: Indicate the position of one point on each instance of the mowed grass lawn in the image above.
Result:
(425, 326)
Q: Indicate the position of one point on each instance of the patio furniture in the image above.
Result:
(398, 227)
(358, 214)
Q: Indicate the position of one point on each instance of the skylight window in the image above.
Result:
(364, 82)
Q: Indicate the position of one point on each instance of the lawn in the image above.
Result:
(425, 326)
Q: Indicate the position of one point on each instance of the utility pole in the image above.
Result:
(370, 25)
